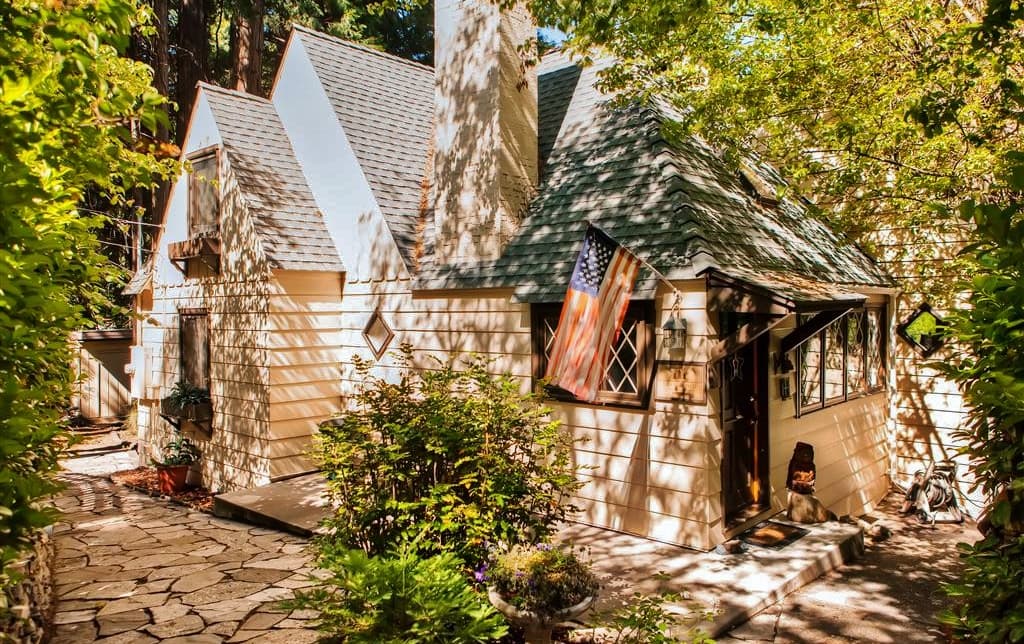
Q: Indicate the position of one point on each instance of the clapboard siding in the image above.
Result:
(305, 386)
(925, 404)
(850, 442)
(237, 302)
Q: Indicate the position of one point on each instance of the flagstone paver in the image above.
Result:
(132, 569)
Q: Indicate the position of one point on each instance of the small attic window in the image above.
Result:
(377, 334)
(757, 186)
(923, 330)
(204, 194)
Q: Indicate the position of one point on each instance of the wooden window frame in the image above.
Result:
(199, 155)
(640, 310)
(824, 403)
(194, 313)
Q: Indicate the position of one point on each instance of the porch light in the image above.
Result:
(674, 333)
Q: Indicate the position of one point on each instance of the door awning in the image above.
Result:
(743, 336)
(776, 293)
(811, 328)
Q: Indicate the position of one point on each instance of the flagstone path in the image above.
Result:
(133, 569)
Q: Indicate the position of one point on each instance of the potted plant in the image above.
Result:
(177, 456)
(188, 402)
(538, 586)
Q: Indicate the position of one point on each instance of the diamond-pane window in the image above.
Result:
(923, 331)
(377, 334)
(843, 361)
(627, 372)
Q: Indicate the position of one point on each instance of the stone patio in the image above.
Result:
(131, 569)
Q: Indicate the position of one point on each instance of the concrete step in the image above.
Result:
(296, 505)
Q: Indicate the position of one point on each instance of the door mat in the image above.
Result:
(770, 534)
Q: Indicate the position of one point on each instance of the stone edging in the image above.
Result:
(31, 600)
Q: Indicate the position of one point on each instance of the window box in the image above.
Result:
(204, 250)
(194, 412)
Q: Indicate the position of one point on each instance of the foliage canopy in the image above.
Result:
(68, 104)
(880, 111)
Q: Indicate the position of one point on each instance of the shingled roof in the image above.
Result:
(271, 182)
(676, 204)
(385, 104)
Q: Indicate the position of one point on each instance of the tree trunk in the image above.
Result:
(192, 59)
(161, 62)
(247, 47)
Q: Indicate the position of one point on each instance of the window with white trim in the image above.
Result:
(203, 195)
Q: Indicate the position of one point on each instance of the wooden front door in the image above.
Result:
(744, 384)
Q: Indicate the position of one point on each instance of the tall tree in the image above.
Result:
(247, 46)
(192, 52)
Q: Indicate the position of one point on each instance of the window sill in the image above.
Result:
(839, 401)
(638, 404)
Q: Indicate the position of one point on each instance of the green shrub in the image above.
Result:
(451, 460)
(990, 593)
(399, 598)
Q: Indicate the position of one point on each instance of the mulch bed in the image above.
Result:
(144, 479)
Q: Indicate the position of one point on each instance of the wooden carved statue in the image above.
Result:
(801, 469)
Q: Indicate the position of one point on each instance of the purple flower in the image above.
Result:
(481, 573)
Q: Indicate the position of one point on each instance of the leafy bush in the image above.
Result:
(180, 451)
(184, 393)
(541, 578)
(399, 598)
(450, 460)
(990, 373)
(68, 103)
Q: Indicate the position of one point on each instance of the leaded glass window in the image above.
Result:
(844, 360)
(627, 374)
(855, 352)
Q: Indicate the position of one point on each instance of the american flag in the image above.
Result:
(592, 314)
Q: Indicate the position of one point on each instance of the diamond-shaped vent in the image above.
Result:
(377, 334)
(923, 331)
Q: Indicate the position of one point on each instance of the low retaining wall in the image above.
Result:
(30, 601)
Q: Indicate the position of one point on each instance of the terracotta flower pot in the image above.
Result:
(171, 478)
(536, 626)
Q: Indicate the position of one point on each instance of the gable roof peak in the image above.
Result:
(234, 93)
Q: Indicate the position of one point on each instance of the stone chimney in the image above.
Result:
(485, 131)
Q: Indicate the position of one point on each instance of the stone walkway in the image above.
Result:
(132, 569)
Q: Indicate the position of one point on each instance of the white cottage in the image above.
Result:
(372, 201)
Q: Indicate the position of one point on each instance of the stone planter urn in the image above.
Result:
(536, 626)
